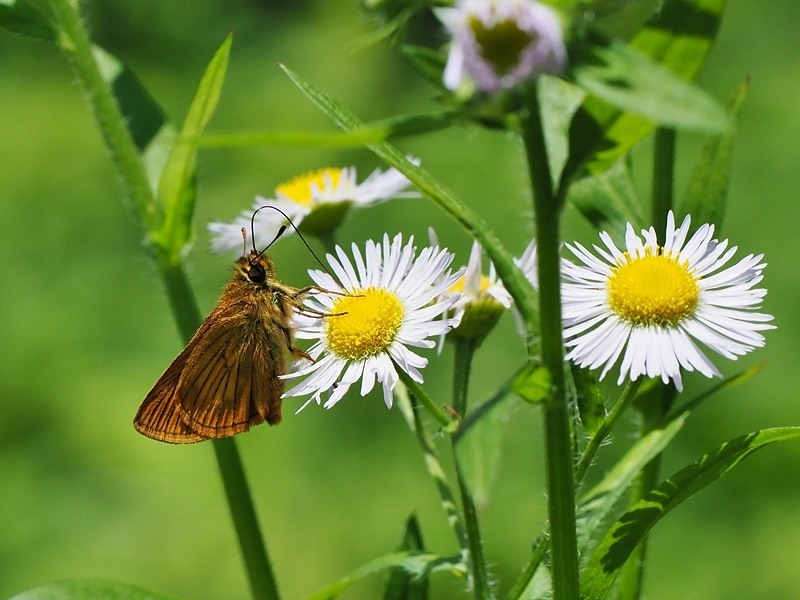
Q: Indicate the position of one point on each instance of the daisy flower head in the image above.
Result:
(478, 300)
(650, 304)
(499, 43)
(316, 202)
(386, 301)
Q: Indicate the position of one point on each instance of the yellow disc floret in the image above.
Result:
(300, 188)
(654, 289)
(368, 324)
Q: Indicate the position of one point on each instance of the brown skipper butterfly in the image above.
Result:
(227, 378)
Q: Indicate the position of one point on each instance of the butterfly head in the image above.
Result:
(257, 268)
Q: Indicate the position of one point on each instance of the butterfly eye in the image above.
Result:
(256, 273)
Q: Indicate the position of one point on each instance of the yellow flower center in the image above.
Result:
(502, 44)
(300, 188)
(653, 289)
(370, 323)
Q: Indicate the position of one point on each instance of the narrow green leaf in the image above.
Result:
(417, 565)
(534, 384)
(617, 545)
(608, 200)
(176, 189)
(707, 189)
(20, 17)
(479, 577)
(613, 72)
(81, 589)
(679, 38)
(590, 398)
(401, 585)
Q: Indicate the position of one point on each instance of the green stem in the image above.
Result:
(75, 43)
(480, 578)
(245, 521)
(624, 400)
(535, 559)
(465, 351)
(557, 424)
(663, 177)
(435, 469)
(632, 575)
(417, 391)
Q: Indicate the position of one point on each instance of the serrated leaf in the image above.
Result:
(401, 585)
(534, 383)
(590, 398)
(81, 589)
(608, 200)
(417, 565)
(679, 38)
(707, 188)
(615, 548)
(22, 18)
(176, 189)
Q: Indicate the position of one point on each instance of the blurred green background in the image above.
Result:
(86, 329)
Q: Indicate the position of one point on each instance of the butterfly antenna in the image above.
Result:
(280, 232)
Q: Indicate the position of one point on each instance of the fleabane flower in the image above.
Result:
(385, 302)
(479, 300)
(500, 43)
(527, 264)
(650, 304)
(316, 202)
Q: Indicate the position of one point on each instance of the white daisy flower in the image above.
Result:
(390, 301)
(499, 43)
(316, 202)
(650, 303)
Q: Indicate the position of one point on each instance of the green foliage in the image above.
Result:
(81, 589)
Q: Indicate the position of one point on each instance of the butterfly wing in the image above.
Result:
(230, 379)
(159, 416)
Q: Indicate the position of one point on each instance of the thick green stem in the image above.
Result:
(240, 503)
(557, 425)
(75, 43)
(663, 177)
(632, 575)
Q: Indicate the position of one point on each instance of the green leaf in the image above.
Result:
(590, 398)
(679, 38)
(428, 63)
(608, 200)
(612, 71)
(81, 589)
(401, 585)
(416, 564)
(533, 383)
(595, 506)
(20, 17)
(479, 441)
(707, 189)
(617, 545)
(176, 189)
(145, 119)
(479, 576)
(294, 139)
